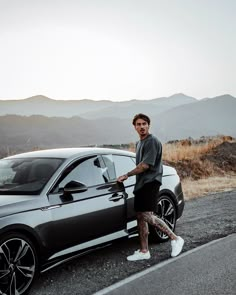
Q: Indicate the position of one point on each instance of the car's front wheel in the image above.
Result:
(18, 264)
(167, 212)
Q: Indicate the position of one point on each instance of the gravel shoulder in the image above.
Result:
(205, 219)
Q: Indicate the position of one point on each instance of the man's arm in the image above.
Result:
(140, 168)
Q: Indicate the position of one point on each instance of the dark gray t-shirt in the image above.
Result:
(149, 151)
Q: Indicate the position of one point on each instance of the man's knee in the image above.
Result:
(144, 216)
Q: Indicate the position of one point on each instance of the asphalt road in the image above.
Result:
(207, 269)
(205, 219)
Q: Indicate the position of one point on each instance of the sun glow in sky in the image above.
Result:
(117, 49)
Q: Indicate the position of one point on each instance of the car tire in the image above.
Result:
(18, 264)
(166, 211)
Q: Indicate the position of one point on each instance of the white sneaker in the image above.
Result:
(177, 246)
(138, 255)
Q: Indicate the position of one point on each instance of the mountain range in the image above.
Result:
(90, 109)
(41, 122)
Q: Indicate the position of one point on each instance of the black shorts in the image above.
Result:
(145, 199)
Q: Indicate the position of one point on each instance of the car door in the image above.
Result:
(89, 215)
(124, 164)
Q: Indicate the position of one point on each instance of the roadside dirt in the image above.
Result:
(219, 161)
(223, 157)
(204, 219)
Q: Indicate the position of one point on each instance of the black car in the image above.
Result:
(61, 203)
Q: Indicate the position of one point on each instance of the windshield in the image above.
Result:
(26, 175)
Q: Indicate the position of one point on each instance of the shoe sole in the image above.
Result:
(138, 259)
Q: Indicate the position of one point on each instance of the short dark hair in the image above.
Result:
(141, 116)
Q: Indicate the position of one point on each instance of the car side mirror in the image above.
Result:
(75, 187)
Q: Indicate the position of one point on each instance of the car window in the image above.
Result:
(124, 164)
(26, 175)
(90, 171)
(110, 167)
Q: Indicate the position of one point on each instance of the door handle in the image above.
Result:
(116, 197)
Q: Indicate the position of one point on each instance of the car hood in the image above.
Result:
(11, 204)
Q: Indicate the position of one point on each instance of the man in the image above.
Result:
(148, 181)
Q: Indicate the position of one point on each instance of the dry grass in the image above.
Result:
(178, 152)
(193, 189)
(200, 177)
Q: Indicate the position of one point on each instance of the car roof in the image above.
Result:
(70, 152)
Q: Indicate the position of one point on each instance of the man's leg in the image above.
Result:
(152, 219)
(143, 252)
(143, 232)
(177, 242)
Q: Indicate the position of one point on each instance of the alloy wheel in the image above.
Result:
(17, 265)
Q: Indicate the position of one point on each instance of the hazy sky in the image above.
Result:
(117, 49)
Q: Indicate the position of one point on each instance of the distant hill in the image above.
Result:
(21, 133)
(208, 117)
(42, 105)
(89, 109)
(176, 117)
(150, 107)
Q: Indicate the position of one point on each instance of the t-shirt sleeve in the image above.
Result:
(152, 151)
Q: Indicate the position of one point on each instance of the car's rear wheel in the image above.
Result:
(166, 210)
(18, 264)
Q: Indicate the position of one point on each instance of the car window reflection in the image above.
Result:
(90, 171)
(26, 175)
